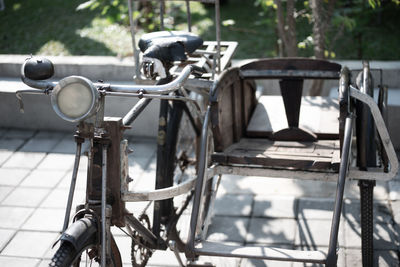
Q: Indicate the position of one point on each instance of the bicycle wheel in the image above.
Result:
(178, 164)
(86, 252)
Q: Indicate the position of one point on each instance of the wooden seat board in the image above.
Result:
(317, 114)
(320, 155)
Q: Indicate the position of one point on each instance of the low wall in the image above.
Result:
(39, 114)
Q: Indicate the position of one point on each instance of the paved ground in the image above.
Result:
(35, 169)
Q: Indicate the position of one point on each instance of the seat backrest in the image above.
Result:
(291, 72)
(234, 100)
(290, 68)
(232, 104)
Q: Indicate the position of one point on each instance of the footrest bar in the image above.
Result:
(259, 252)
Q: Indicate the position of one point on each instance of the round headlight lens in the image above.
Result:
(75, 98)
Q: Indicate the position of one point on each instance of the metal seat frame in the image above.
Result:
(348, 94)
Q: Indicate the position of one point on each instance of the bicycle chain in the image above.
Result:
(140, 253)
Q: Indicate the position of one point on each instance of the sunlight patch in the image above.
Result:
(115, 37)
(54, 48)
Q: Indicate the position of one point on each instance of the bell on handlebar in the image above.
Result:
(37, 68)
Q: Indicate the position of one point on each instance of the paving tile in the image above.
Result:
(26, 197)
(158, 258)
(5, 155)
(143, 147)
(387, 258)
(314, 189)
(15, 133)
(83, 163)
(11, 144)
(235, 184)
(220, 261)
(44, 263)
(163, 258)
(341, 261)
(45, 220)
(80, 180)
(30, 244)
(352, 190)
(138, 208)
(275, 207)
(4, 191)
(396, 211)
(394, 190)
(382, 258)
(5, 236)
(315, 233)
(271, 231)
(228, 229)
(316, 208)
(142, 179)
(56, 161)
(66, 145)
(142, 153)
(183, 226)
(385, 235)
(12, 177)
(40, 144)
(124, 246)
(24, 160)
(58, 199)
(382, 213)
(264, 263)
(8, 146)
(13, 217)
(43, 178)
(50, 135)
(233, 205)
(18, 261)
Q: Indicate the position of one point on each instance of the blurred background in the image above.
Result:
(333, 29)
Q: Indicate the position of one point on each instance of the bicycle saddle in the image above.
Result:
(169, 46)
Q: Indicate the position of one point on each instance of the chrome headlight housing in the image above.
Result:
(75, 98)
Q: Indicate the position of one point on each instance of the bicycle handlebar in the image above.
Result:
(158, 89)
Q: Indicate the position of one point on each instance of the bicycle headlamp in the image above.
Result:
(75, 98)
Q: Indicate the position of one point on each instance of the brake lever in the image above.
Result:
(18, 95)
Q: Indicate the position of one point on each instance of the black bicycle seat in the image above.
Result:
(169, 46)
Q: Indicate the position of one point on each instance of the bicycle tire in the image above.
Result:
(180, 161)
(367, 222)
(67, 255)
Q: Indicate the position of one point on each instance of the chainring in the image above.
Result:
(140, 253)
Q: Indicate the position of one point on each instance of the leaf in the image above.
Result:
(374, 3)
(85, 5)
(228, 22)
(301, 45)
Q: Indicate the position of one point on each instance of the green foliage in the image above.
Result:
(54, 27)
(359, 29)
(115, 10)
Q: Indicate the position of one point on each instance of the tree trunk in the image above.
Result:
(321, 20)
(287, 27)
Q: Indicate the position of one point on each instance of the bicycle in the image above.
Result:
(79, 100)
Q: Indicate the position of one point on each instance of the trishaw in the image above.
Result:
(211, 123)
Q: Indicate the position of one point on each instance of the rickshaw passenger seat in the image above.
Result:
(169, 46)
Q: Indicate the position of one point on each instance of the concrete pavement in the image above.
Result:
(36, 166)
